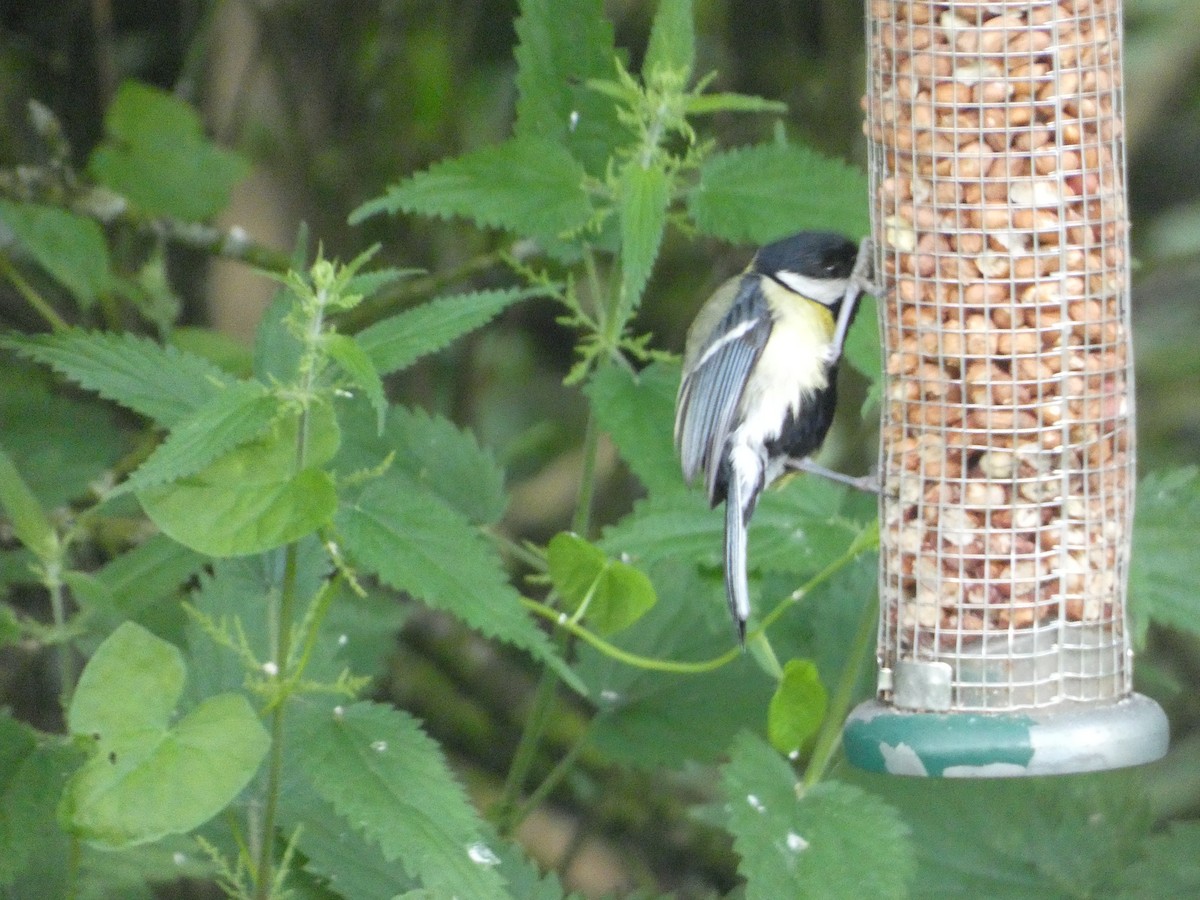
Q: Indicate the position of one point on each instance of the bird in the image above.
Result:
(759, 380)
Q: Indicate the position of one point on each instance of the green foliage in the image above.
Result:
(417, 543)
(68, 246)
(607, 594)
(830, 840)
(506, 186)
(1078, 836)
(155, 154)
(797, 707)
(557, 55)
(1162, 578)
(234, 550)
(380, 771)
(761, 193)
(397, 342)
(29, 522)
(636, 411)
(158, 382)
(148, 776)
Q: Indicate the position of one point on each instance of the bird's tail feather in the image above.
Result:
(736, 590)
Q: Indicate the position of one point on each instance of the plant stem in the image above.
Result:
(507, 814)
(829, 738)
(32, 297)
(63, 650)
(283, 634)
(552, 780)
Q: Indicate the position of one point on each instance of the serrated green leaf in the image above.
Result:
(335, 851)
(1163, 581)
(69, 247)
(381, 772)
(707, 104)
(17, 745)
(797, 707)
(672, 45)
(1012, 839)
(251, 499)
(367, 284)
(417, 543)
(796, 528)
(247, 583)
(228, 354)
(1169, 865)
(613, 594)
(434, 452)
(528, 186)
(237, 414)
(401, 340)
(147, 777)
(643, 197)
(60, 442)
(636, 410)
(155, 153)
(832, 841)
(355, 362)
(155, 381)
(761, 193)
(557, 54)
(31, 842)
(29, 521)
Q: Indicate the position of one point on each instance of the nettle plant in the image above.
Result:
(233, 586)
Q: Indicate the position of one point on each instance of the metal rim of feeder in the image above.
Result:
(998, 207)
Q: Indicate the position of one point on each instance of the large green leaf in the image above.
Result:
(760, 193)
(1163, 582)
(528, 186)
(797, 707)
(1169, 865)
(432, 451)
(149, 777)
(611, 594)
(159, 382)
(236, 415)
(17, 746)
(672, 45)
(637, 411)
(337, 852)
(155, 153)
(29, 521)
(68, 246)
(251, 499)
(830, 841)
(1054, 838)
(61, 442)
(419, 544)
(381, 772)
(397, 342)
(643, 196)
(558, 51)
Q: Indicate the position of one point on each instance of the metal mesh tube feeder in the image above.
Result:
(997, 176)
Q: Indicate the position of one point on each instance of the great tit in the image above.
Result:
(759, 379)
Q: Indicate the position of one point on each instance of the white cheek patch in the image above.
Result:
(824, 290)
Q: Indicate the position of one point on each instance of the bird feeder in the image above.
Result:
(997, 178)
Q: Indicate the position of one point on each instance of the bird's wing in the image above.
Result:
(713, 386)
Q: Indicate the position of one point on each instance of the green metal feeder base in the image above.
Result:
(1053, 741)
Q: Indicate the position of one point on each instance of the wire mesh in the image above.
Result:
(998, 207)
